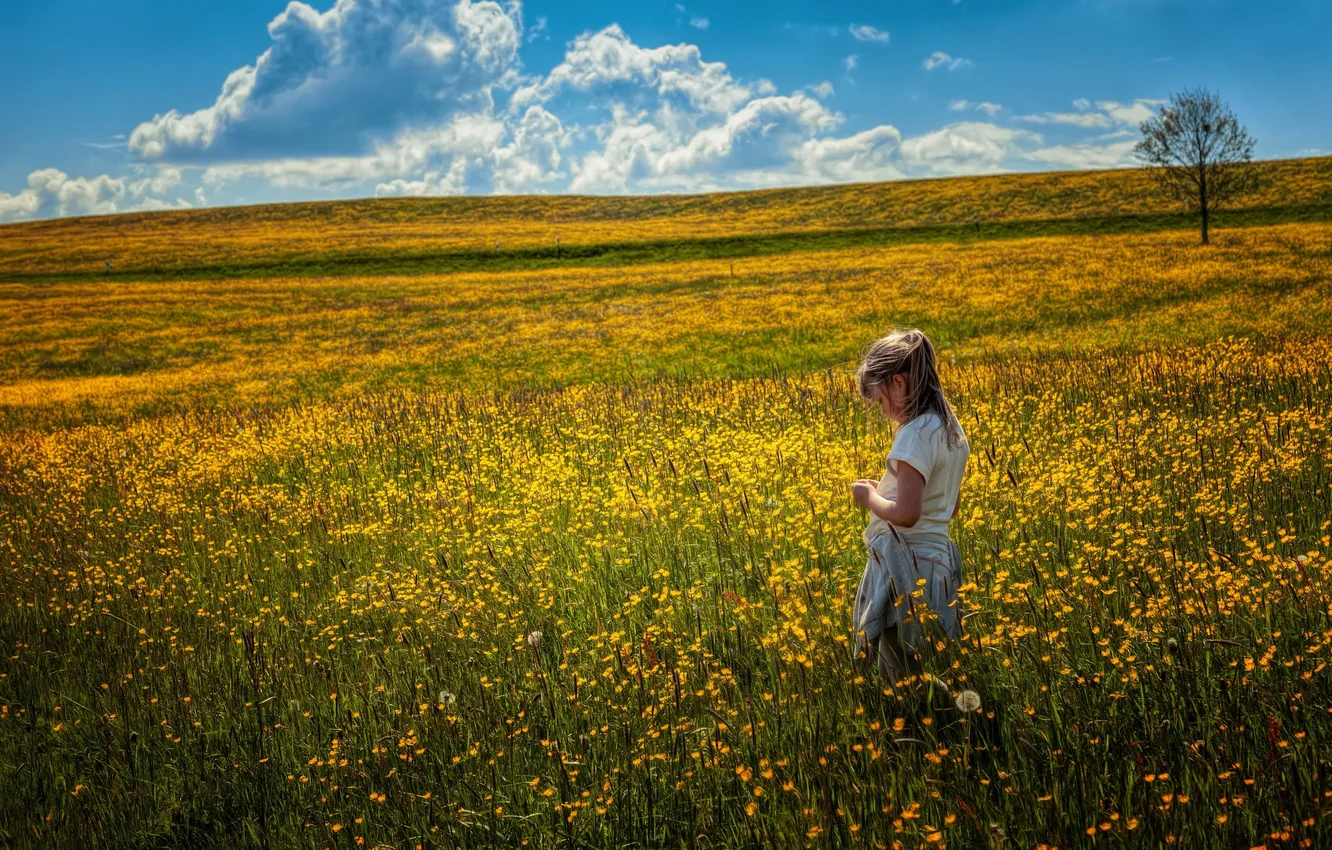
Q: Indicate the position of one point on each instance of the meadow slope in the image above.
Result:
(442, 234)
(563, 556)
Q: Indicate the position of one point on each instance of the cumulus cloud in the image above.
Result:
(939, 59)
(663, 118)
(672, 121)
(450, 182)
(866, 156)
(629, 147)
(158, 182)
(24, 204)
(865, 32)
(611, 63)
(746, 148)
(331, 83)
(425, 97)
(52, 192)
(968, 147)
(533, 159)
(409, 153)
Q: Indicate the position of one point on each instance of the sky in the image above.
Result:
(150, 104)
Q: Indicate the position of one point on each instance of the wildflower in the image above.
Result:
(447, 698)
(534, 638)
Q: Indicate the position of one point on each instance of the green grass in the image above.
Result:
(612, 254)
(395, 546)
(235, 622)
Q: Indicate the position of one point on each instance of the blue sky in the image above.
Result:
(146, 104)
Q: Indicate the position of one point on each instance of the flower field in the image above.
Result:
(565, 557)
(232, 242)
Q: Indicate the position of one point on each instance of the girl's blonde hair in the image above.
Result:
(908, 352)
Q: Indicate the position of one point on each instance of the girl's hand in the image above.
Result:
(862, 490)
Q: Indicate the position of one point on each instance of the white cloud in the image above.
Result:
(628, 148)
(24, 204)
(611, 117)
(966, 148)
(1088, 155)
(678, 123)
(157, 204)
(52, 192)
(538, 30)
(939, 59)
(699, 23)
(1076, 119)
(609, 61)
(332, 82)
(865, 156)
(159, 182)
(1134, 113)
(990, 109)
(409, 153)
(865, 32)
(451, 182)
(747, 148)
(1108, 114)
(533, 158)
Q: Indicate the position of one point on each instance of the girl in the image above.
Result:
(921, 490)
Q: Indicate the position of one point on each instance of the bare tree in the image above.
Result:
(1202, 155)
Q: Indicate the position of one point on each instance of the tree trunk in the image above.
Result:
(1202, 199)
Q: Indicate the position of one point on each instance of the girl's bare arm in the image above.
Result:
(903, 511)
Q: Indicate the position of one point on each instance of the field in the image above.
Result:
(328, 527)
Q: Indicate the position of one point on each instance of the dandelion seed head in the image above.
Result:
(967, 702)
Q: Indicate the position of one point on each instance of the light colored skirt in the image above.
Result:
(925, 573)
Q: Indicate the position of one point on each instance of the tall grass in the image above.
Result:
(617, 615)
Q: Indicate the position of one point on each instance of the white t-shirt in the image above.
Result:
(923, 443)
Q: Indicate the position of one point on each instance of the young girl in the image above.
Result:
(921, 490)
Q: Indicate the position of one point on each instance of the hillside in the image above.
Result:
(305, 301)
(74, 351)
(551, 550)
(489, 233)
